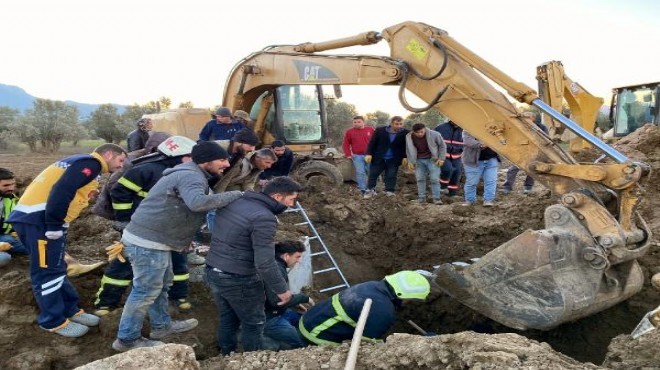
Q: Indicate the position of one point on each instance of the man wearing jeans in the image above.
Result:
(426, 150)
(280, 330)
(242, 260)
(479, 160)
(385, 152)
(355, 144)
(166, 221)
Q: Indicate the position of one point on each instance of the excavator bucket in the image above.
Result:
(542, 278)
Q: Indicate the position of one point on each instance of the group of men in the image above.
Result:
(442, 155)
(159, 202)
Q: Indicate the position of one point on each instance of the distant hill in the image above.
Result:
(16, 98)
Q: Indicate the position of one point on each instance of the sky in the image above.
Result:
(135, 51)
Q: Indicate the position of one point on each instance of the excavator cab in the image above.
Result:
(294, 114)
(634, 106)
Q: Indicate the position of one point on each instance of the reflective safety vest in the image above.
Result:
(8, 205)
(340, 317)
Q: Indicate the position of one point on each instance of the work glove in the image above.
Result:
(4, 246)
(367, 158)
(119, 225)
(114, 251)
(54, 235)
(13, 234)
(75, 268)
(439, 162)
(411, 166)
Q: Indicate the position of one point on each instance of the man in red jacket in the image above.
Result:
(355, 144)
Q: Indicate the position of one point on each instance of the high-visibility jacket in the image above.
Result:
(60, 192)
(453, 137)
(333, 321)
(8, 204)
(134, 185)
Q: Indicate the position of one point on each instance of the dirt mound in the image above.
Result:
(401, 351)
(641, 353)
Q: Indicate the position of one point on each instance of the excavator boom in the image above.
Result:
(582, 262)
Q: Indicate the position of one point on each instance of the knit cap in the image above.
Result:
(207, 151)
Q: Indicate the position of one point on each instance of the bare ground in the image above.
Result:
(369, 238)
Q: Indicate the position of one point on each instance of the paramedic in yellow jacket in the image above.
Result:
(41, 218)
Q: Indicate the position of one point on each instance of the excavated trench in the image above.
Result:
(372, 238)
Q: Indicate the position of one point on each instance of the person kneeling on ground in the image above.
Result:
(333, 321)
(281, 321)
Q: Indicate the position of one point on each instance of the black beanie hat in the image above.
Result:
(245, 136)
(277, 144)
(208, 151)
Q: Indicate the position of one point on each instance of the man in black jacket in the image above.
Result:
(385, 152)
(283, 165)
(280, 330)
(242, 260)
(137, 139)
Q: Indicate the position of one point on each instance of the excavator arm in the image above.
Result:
(555, 87)
(582, 262)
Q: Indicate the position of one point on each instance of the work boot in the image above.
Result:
(489, 203)
(444, 191)
(85, 319)
(183, 304)
(505, 190)
(467, 204)
(175, 327)
(196, 259)
(69, 329)
(437, 201)
(370, 193)
(419, 201)
(120, 346)
(390, 193)
(527, 190)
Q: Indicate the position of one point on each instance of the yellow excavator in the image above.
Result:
(582, 262)
(555, 87)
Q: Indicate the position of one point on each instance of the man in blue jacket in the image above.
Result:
(385, 153)
(221, 127)
(333, 321)
(242, 260)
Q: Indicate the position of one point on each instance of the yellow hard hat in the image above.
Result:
(409, 285)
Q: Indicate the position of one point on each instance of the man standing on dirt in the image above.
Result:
(450, 173)
(356, 140)
(166, 220)
(127, 194)
(241, 261)
(137, 139)
(426, 151)
(333, 321)
(221, 127)
(385, 152)
(9, 243)
(42, 216)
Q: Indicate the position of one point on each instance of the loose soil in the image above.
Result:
(369, 239)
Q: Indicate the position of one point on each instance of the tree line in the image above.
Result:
(48, 123)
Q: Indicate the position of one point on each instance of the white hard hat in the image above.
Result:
(175, 146)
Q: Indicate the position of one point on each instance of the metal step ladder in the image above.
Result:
(322, 252)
